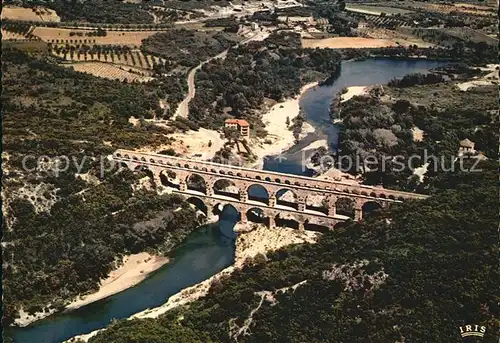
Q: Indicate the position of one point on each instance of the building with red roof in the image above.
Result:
(240, 124)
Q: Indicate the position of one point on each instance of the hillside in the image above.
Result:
(412, 274)
(59, 190)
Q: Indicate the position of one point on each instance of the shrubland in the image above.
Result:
(413, 273)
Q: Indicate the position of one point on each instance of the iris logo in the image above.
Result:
(472, 330)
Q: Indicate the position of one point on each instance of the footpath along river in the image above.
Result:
(209, 249)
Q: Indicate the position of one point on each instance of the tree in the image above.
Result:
(231, 134)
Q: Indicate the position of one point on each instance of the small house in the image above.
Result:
(466, 147)
(240, 124)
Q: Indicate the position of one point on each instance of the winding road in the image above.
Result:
(183, 108)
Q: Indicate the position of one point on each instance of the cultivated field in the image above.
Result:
(395, 36)
(134, 59)
(29, 14)
(74, 36)
(9, 35)
(108, 71)
(347, 42)
(375, 10)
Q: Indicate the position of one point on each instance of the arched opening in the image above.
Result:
(229, 212)
(318, 203)
(123, 165)
(144, 172)
(195, 182)
(345, 207)
(140, 168)
(169, 178)
(256, 215)
(199, 204)
(287, 197)
(370, 208)
(226, 187)
(258, 193)
(340, 225)
(316, 227)
(283, 220)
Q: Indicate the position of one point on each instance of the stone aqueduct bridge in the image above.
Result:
(162, 167)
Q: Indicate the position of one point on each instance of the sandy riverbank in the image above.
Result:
(252, 240)
(279, 137)
(354, 91)
(26, 319)
(489, 79)
(134, 269)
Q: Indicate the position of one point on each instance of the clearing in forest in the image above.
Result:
(30, 14)
(347, 42)
(108, 71)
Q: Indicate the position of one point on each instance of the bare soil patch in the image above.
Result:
(347, 42)
(55, 35)
(30, 14)
(396, 36)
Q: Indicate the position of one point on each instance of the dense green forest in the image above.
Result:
(476, 54)
(185, 49)
(95, 11)
(275, 68)
(382, 123)
(60, 105)
(63, 231)
(414, 273)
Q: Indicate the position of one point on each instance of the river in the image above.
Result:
(209, 249)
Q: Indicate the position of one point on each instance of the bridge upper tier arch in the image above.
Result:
(270, 180)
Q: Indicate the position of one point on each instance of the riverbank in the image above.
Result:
(252, 239)
(279, 136)
(26, 319)
(134, 269)
(354, 91)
